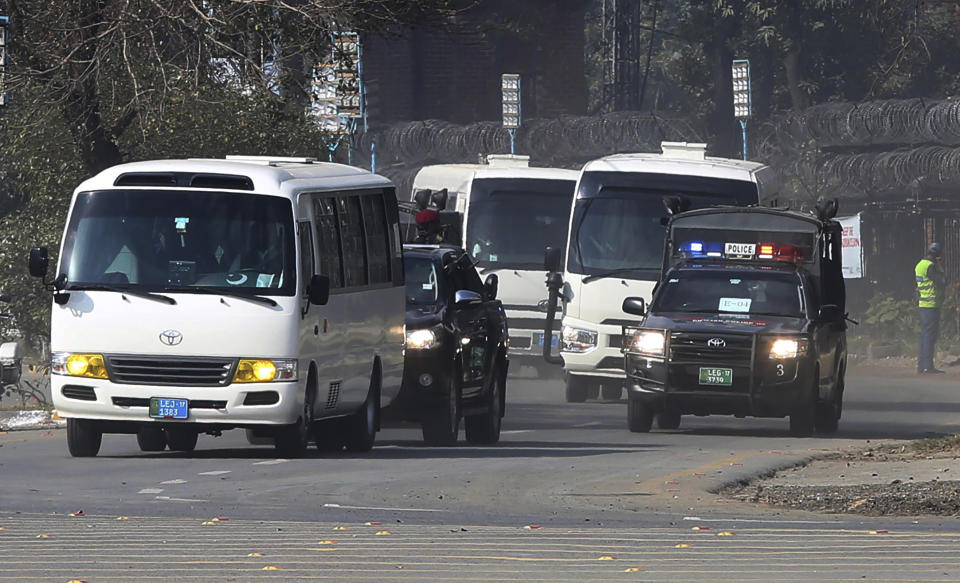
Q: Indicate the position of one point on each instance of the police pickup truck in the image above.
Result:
(747, 319)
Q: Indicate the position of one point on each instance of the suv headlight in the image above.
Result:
(79, 365)
(422, 339)
(577, 340)
(649, 342)
(263, 370)
(784, 348)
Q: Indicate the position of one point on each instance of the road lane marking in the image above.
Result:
(215, 473)
(516, 431)
(177, 481)
(169, 499)
(270, 462)
(150, 491)
(341, 506)
(590, 424)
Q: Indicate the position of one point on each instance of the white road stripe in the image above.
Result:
(177, 481)
(150, 491)
(270, 462)
(214, 473)
(516, 431)
(698, 519)
(379, 508)
(169, 499)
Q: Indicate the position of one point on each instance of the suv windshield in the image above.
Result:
(158, 240)
(512, 220)
(738, 292)
(423, 285)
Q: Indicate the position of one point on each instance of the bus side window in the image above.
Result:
(328, 240)
(306, 256)
(352, 242)
(377, 237)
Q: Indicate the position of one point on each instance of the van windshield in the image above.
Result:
(159, 240)
(512, 220)
(733, 292)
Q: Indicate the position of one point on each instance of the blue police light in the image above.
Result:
(693, 249)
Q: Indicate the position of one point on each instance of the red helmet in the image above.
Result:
(426, 216)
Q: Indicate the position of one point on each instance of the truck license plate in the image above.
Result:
(716, 376)
(161, 408)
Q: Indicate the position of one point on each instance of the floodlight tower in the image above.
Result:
(510, 97)
(336, 91)
(742, 97)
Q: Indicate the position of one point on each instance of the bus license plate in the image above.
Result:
(161, 408)
(716, 376)
(538, 339)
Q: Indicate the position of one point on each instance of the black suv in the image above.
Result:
(455, 360)
(747, 319)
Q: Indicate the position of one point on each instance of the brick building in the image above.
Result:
(453, 73)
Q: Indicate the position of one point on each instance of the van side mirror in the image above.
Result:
(39, 261)
(319, 290)
(830, 312)
(635, 306)
(551, 259)
(490, 286)
(465, 296)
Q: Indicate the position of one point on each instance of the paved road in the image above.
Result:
(595, 490)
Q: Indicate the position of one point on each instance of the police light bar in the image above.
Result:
(780, 252)
(741, 251)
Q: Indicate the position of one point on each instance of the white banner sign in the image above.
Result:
(852, 249)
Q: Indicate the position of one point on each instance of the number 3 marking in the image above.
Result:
(780, 371)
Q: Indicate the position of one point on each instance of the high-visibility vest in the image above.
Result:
(925, 285)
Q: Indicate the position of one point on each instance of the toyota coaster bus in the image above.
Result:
(510, 212)
(615, 248)
(195, 296)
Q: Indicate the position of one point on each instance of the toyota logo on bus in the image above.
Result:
(716, 343)
(171, 337)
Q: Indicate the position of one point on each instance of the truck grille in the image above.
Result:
(734, 350)
(159, 370)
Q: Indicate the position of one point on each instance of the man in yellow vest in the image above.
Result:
(930, 280)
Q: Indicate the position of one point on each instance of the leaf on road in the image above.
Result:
(879, 532)
(682, 546)
(383, 532)
(607, 558)
(78, 513)
(327, 542)
(340, 528)
(724, 533)
(632, 570)
(272, 568)
(123, 518)
(372, 523)
(208, 523)
(43, 536)
(532, 527)
(254, 554)
(700, 528)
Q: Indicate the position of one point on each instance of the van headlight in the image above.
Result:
(422, 339)
(649, 342)
(577, 340)
(79, 365)
(263, 370)
(784, 348)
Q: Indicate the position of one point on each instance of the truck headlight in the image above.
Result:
(577, 340)
(422, 339)
(649, 342)
(783, 348)
(263, 370)
(79, 365)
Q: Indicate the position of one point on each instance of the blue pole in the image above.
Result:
(743, 127)
(373, 154)
(513, 135)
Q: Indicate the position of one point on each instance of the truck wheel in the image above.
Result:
(292, 441)
(593, 392)
(828, 414)
(611, 391)
(578, 388)
(328, 435)
(151, 438)
(485, 428)
(668, 420)
(83, 437)
(181, 438)
(639, 416)
(441, 425)
(362, 426)
(803, 419)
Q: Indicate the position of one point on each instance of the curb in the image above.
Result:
(29, 419)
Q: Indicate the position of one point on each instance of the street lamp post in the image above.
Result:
(510, 95)
(742, 97)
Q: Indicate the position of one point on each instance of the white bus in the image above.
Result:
(615, 247)
(195, 296)
(510, 211)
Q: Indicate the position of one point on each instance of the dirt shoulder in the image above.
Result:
(910, 479)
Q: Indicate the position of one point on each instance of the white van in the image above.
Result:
(511, 212)
(615, 246)
(196, 296)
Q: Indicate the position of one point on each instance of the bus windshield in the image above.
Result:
(512, 220)
(181, 241)
(619, 218)
(731, 292)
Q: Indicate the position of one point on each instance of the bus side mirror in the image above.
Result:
(39, 261)
(551, 259)
(319, 290)
(490, 286)
(830, 312)
(635, 306)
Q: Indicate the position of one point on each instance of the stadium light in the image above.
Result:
(742, 97)
(510, 98)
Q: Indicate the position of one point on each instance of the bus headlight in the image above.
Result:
(79, 365)
(262, 370)
(422, 339)
(649, 342)
(577, 340)
(783, 348)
